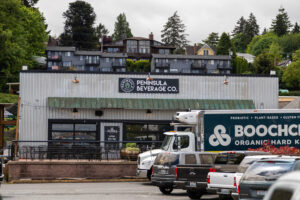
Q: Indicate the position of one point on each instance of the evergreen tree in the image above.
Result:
(173, 33)
(265, 31)
(263, 63)
(122, 29)
(79, 31)
(212, 39)
(29, 3)
(100, 31)
(281, 24)
(251, 28)
(296, 28)
(240, 27)
(224, 45)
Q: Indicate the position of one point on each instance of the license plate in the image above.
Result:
(163, 171)
(193, 184)
(261, 192)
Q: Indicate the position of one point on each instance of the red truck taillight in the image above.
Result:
(212, 170)
(176, 171)
(152, 170)
(234, 181)
(239, 189)
(208, 179)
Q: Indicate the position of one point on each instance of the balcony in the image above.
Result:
(162, 65)
(198, 66)
(92, 62)
(223, 67)
(54, 58)
(118, 64)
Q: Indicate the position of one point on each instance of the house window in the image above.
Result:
(81, 58)
(107, 60)
(212, 62)
(68, 53)
(67, 64)
(205, 52)
(131, 46)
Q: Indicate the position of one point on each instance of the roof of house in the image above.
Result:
(60, 48)
(250, 58)
(182, 56)
(190, 49)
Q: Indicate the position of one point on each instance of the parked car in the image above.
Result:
(196, 182)
(165, 168)
(286, 187)
(262, 174)
(225, 183)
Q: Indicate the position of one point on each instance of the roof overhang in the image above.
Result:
(153, 104)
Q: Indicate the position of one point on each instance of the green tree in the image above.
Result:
(29, 3)
(296, 28)
(265, 31)
(78, 30)
(22, 36)
(275, 52)
(173, 33)
(263, 63)
(224, 45)
(122, 29)
(251, 28)
(212, 39)
(281, 24)
(240, 27)
(289, 43)
(137, 66)
(260, 43)
(291, 76)
(100, 31)
(242, 65)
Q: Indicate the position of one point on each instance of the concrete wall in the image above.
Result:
(50, 170)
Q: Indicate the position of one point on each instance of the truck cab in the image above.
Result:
(173, 141)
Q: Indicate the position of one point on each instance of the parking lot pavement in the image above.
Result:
(90, 191)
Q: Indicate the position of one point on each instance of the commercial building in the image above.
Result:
(60, 105)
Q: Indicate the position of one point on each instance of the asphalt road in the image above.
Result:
(90, 191)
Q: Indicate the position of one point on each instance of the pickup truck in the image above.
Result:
(225, 183)
(193, 178)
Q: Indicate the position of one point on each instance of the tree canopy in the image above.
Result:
(122, 28)
(224, 45)
(212, 39)
(173, 33)
(22, 36)
(78, 30)
(281, 24)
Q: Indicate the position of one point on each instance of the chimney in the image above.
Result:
(151, 36)
(195, 49)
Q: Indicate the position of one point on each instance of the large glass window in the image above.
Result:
(131, 46)
(144, 46)
(145, 132)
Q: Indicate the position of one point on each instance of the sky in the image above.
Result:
(200, 17)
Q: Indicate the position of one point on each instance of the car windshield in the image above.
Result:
(166, 143)
(229, 158)
(267, 170)
(167, 159)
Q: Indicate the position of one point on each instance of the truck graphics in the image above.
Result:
(250, 130)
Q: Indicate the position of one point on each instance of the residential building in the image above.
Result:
(204, 50)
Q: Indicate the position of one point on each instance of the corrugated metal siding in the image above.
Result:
(35, 88)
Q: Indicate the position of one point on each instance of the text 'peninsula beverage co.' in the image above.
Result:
(250, 130)
(138, 85)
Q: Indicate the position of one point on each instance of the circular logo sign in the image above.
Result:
(127, 85)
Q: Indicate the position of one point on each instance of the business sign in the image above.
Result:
(226, 132)
(139, 85)
(111, 135)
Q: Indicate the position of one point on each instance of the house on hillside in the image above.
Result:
(204, 50)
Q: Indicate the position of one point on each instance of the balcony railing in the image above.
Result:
(223, 66)
(118, 64)
(198, 66)
(54, 58)
(162, 65)
(92, 62)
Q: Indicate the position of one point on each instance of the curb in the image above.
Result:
(79, 180)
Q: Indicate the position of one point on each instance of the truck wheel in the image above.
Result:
(166, 190)
(149, 173)
(194, 194)
(224, 197)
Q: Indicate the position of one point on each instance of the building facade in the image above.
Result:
(85, 106)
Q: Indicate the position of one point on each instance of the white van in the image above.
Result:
(286, 187)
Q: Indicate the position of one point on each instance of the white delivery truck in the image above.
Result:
(226, 130)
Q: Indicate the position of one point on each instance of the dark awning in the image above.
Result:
(153, 104)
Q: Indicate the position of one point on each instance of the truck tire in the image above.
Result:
(224, 197)
(149, 173)
(193, 194)
(166, 190)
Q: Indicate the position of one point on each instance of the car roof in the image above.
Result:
(280, 159)
(291, 176)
